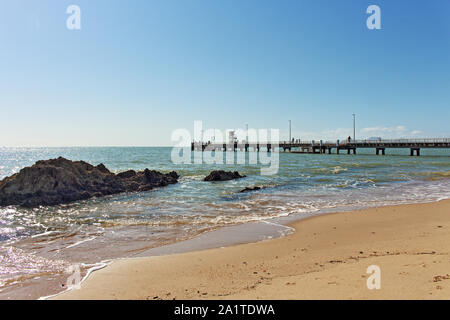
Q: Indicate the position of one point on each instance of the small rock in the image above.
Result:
(220, 175)
(250, 189)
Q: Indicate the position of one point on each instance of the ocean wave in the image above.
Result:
(433, 175)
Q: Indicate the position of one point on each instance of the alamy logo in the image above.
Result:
(212, 146)
(374, 20)
(374, 280)
(74, 280)
(73, 22)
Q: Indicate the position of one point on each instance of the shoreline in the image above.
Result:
(144, 275)
(225, 236)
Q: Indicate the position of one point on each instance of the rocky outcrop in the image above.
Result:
(58, 181)
(221, 175)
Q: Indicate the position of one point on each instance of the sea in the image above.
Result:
(39, 247)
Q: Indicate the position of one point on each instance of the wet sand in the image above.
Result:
(326, 258)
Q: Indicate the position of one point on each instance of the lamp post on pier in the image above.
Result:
(246, 133)
(354, 127)
(290, 132)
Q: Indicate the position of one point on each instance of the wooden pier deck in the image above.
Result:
(323, 147)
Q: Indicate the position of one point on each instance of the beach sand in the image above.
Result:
(326, 258)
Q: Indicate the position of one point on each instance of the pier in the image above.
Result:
(328, 147)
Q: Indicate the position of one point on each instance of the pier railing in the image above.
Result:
(413, 141)
(320, 146)
(369, 141)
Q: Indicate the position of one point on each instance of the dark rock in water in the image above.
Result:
(57, 181)
(250, 189)
(221, 175)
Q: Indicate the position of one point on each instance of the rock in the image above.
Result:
(250, 189)
(127, 174)
(221, 175)
(101, 167)
(58, 181)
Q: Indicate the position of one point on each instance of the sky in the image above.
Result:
(139, 69)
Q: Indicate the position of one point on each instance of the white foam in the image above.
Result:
(80, 242)
(42, 234)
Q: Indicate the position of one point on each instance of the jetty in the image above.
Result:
(328, 147)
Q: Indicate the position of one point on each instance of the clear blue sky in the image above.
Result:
(137, 70)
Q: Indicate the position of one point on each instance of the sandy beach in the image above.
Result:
(326, 258)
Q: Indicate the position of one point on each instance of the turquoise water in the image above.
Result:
(38, 243)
